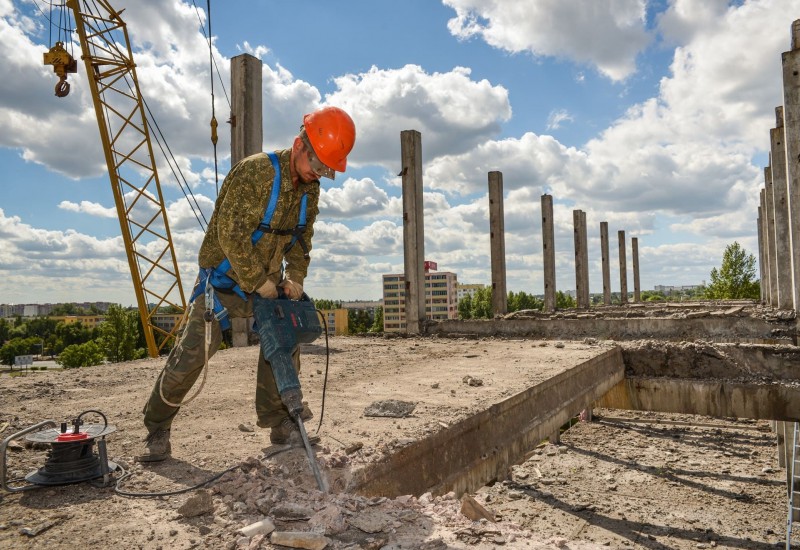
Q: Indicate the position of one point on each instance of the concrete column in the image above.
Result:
(413, 230)
(247, 135)
(791, 116)
(623, 269)
(579, 237)
(766, 281)
(606, 265)
(783, 246)
(773, 256)
(585, 262)
(548, 253)
(635, 258)
(247, 130)
(760, 253)
(497, 244)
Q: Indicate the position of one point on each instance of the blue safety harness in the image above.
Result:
(216, 278)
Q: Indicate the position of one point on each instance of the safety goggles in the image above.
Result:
(319, 168)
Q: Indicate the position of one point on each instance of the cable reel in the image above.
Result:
(71, 458)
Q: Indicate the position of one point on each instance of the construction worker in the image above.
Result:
(258, 241)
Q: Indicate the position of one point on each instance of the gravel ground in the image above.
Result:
(624, 481)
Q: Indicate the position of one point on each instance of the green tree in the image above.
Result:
(119, 334)
(482, 303)
(68, 334)
(377, 324)
(523, 300)
(359, 321)
(564, 301)
(81, 355)
(465, 307)
(735, 277)
(652, 296)
(5, 329)
(67, 309)
(327, 304)
(18, 346)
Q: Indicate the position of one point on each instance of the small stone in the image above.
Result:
(390, 408)
(197, 505)
(330, 521)
(246, 428)
(435, 386)
(354, 447)
(292, 512)
(263, 527)
(559, 344)
(309, 541)
(473, 510)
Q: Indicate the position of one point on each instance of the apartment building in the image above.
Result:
(441, 298)
(336, 321)
(464, 290)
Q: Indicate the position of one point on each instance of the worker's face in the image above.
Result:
(302, 164)
(316, 166)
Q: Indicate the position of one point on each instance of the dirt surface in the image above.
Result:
(623, 481)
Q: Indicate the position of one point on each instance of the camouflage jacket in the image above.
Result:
(239, 209)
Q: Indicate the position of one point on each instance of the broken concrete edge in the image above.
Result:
(720, 328)
(482, 447)
(745, 363)
(716, 398)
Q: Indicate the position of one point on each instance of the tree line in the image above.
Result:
(121, 338)
(118, 338)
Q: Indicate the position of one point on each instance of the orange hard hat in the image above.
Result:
(332, 135)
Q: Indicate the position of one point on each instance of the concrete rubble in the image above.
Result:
(274, 502)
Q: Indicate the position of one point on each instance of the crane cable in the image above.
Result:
(211, 77)
(212, 66)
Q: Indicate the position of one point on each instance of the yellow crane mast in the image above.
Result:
(111, 72)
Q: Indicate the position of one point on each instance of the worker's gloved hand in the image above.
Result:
(268, 290)
(293, 291)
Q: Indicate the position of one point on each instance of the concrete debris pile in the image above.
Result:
(274, 503)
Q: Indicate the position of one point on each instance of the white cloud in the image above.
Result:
(556, 117)
(356, 198)
(90, 208)
(453, 112)
(607, 34)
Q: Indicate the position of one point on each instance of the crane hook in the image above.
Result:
(62, 63)
(62, 87)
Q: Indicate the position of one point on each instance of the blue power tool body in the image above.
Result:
(282, 325)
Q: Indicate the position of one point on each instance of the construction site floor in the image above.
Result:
(626, 480)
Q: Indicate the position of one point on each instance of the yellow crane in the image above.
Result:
(124, 132)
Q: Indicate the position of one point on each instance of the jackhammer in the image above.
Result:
(282, 325)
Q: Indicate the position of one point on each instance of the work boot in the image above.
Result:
(287, 433)
(306, 413)
(156, 447)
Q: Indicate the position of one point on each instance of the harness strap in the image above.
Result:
(218, 278)
(205, 287)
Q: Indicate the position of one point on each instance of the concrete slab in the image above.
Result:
(462, 436)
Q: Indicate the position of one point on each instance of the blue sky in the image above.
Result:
(651, 115)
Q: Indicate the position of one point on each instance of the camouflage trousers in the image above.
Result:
(187, 358)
